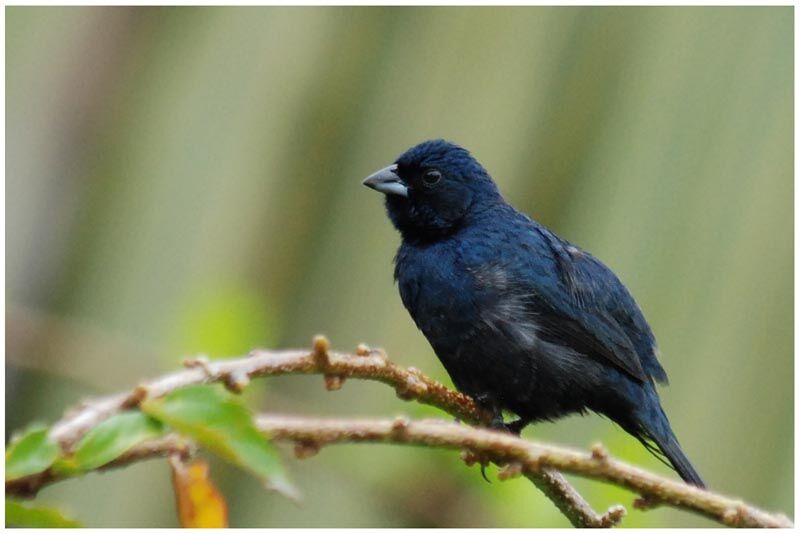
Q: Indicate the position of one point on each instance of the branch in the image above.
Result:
(529, 457)
(571, 503)
(161, 447)
(536, 461)
(518, 456)
(409, 384)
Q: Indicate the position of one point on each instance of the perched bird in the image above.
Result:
(522, 320)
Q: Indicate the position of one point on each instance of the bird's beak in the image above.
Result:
(387, 182)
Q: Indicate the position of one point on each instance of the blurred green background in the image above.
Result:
(188, 180)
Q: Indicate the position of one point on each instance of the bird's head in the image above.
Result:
(433, 188)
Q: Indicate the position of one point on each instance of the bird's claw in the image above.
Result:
(483, 473)
(471, 457)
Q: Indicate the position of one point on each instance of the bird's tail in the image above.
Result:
(658, 431)
(672, 450)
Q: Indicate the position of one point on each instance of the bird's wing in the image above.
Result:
(593, 310)
(591, 333)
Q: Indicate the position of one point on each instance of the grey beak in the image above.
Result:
(387, 182)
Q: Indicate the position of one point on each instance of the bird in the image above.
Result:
(522, 320)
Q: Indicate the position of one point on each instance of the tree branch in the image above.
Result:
(537, 462)
(529, 457)
(409, 384)
(571, 503)
(368, 364)
(518, 456)
(161, 447)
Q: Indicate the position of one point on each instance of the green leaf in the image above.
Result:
(31, 453)
(113, 437)
(224, 425)
(25, 516)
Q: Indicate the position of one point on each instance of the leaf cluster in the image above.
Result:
(205, 414)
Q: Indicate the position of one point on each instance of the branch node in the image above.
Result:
(236, 381)
(400, 426)
(306, 449)
(362, 350)
(200, 361)
(333, 382)
(412, 387)
(534, 465)
(599, 452)
(646, 502)
(321, 347)
(613, 516)
(509, 471)
(735, 516)
(136, 397)
(470, 457)
(403, 393)
(187, 449)
(731, 516)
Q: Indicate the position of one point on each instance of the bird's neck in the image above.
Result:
(475, 216)
(415, 236)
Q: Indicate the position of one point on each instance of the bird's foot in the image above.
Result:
(514, 427)
(471, 457)
(497, 422)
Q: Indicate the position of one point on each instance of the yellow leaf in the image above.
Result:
(200, 503)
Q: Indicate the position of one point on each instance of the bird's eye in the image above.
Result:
(431, 177)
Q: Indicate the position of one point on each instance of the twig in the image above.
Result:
(571, 503)
(533, 457)
(526, 458)
(168, 445)
(409, 384)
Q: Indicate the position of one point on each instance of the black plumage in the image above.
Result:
(522, 320)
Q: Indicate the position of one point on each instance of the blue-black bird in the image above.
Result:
(522, 320)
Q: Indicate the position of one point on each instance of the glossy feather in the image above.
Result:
(522, 320)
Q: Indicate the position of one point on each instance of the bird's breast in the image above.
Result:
(436, 290)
